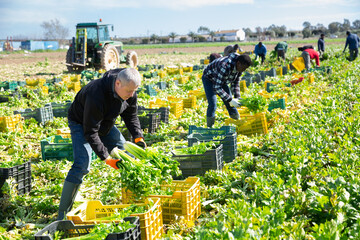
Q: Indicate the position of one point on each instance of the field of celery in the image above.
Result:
(298, 181)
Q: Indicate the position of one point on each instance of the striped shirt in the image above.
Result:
(223, 71)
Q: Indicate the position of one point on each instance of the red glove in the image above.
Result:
(114, 163)
(140, 142)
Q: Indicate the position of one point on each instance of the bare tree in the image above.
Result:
(54, 30)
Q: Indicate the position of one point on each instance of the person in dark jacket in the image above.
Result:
(321, 44)
(216, 79)
(260, 50)
(281, 49)
(91, 119)
(352, 41)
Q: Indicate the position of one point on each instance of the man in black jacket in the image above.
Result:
(91, 119)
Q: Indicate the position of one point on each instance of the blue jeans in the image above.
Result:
(211, 97)
(82, 150)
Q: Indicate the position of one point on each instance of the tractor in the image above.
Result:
(93, 48)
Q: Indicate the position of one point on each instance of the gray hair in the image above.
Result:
(129, 75)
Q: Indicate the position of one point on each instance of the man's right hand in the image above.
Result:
(235, 103)
(114, 163)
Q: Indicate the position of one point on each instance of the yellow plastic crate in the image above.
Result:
(161, 74)
(174, 99)
(75, 86)
(66, 79)
(206, 61)
(250, 125)
(299, 64)
(242, 85)
(279, 71)
(183, 79)
(185, 200)
(199, 93)
(75, 78)
(264, 93)
(188, 69)
(177, 108)
(45, 90)
(172, 71)
(11, 123)
(35, 82)
(91, 212)
(311, 77)
(63, 132)
(190, 102)
(158, 103)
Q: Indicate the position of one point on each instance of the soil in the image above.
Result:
(60, 56)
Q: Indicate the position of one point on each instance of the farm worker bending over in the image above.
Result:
(281, 49)
(309, 54)
(231, 49)
(321, 44)
(91, 119)
(216, 79)
(353, 41)
(260, 50)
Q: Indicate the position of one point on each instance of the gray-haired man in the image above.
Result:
(91, 119)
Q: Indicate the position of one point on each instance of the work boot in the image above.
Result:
(235, 116)
(210, 121)
(67, 198)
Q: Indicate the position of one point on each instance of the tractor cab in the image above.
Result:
(93, 47)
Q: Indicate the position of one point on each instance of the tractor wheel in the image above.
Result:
(132, 59)
(109, 58)
(72, 68)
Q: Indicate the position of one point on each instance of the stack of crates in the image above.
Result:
(226, 135)
(21, 175)
(199, 164)
(151, 224)
(150, 121)
(183, 202)
(11, 123)
(164, 112)
(41, 115)
(250, 125)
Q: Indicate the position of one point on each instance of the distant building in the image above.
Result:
(230, 35)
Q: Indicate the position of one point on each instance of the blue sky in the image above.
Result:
(144, 18)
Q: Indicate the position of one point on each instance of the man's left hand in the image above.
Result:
(140, 142)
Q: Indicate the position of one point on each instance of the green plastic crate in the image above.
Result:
(57, 147)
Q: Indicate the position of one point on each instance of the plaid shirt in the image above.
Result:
(223, 71)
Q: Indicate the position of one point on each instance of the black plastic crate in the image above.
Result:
(21, 174)
(69, 229)
(151, 121)
(8, 96)
(163, 110)
(61, 109)
(198, 164)
(228, 141)
(41, 115)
